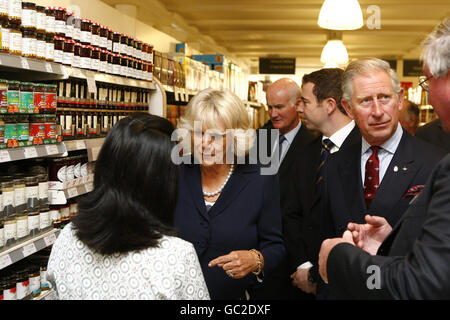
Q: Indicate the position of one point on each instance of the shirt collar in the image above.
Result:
(291, 134)
(339, 136)
(390, 145)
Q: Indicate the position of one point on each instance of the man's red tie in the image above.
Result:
(372, 180)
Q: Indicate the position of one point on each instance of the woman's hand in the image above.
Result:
(237, 264)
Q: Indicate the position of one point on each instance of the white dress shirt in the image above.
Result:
(290, 136)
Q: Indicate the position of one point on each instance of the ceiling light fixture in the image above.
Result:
(334, 51)
(340, 15)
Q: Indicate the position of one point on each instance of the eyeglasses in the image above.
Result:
(424, 83)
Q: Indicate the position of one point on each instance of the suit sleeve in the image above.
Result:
(271, 243)
(424, 273)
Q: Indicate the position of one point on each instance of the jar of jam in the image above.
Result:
(130, 47)
(77, 55)
(85, 54)
(116, 42)
(37, 129)
(15, 39)
(39, 98)
(109, 42)
(19, 197)
(60, 21)
(117, 62)
(123, 44)
(123, 66)
(55, 216)
(95, 40)
(103, 61)
(3, 96)
(140, 71)
(28, 39)
(40, 19)
(26, 97)
(10, 131)
(144, 51)
(32, 196)
(22, 283)
(68, 52)
(13, 96)
(77, 28)
(50, 20)
(6, 30)
(34, 272)
(109, 66)
(130, 70)
(139, 50)
(43, 188)
(4, 10)
(50, 47)
(15, 11)
(44, 216)
(95, 59)
(50, 98)
(69, 25)
(86, 31)
(40, 46)
(103, 44)
(59, 49)
(29, 16)
(50, 128)
(150, 72)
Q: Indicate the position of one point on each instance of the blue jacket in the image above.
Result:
(246, 215)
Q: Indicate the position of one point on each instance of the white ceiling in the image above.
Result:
(249, 29)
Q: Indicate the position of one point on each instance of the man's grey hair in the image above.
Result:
(436, 49)
(364, 67)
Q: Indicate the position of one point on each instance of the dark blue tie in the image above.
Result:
(280, 144)
(327, 144)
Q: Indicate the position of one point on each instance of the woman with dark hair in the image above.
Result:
(122, 244)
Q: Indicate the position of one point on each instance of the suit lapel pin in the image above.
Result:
(404, 168)
(395, 168)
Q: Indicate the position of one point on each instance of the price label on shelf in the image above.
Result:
(30, 152)
(51, 149)
(80, 144)
(72, 192)
(92, 87)
(4, 156)
(29, 249)
(5, 261)
(48, 67)
(89, 186)
(50, 239)
(24, 62)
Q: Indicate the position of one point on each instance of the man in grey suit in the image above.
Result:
(411, 260)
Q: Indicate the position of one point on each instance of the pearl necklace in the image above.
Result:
(212, 194)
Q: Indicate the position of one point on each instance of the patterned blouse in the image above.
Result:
(169, 272)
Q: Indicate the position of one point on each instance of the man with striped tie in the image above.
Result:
(321, 111)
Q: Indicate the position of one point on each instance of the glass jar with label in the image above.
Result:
(19, 193)
(33, 221)
(15, 39)
(65, 214)
(68, 52)
(39, 98)
(76, 55)
(43, 188)
(2, 234)
(34, 278)
(139, 50)
(60, 21)
(29, 14)
(95, 39)
(44, 217)
(109, 66)
(15, 11)
(40, 46)
(55, 217)
(26, 97)
(150, 53)
(103, 61)
(28, 49)
(109, 43)
(57, 170)
(6, 30)
(77, 28)
(116, 42)
(130, 47)
(40, 19)
(69, 25)
(50, 47)
(50, 98)
(50, 20)
(86, 31)
(95, 59)
(45, 285)
(123, 66)
(21, 223)
(10, 131)
(32, 192)
(37, 129)
(22, 284)
(50, 128)
(116, 64)
(3, 96)
(103, 44)
(2, 143)
(23, 130)
(85, 54)
(123, 44)
(144, 51)
(59, 49)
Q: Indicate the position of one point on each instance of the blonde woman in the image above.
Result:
(227, 208)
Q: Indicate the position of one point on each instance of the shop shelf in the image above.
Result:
(27, 247)
(22, 153)
(59, 192)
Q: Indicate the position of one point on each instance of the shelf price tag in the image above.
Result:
(48, 67)
(24, 62)
(51, 149)
(30, 152)
(4, 156)
(5, 261)
(91, 84)
(80, 144)
(72, 192)
(89, 187)
(28, 249)
(50, 239)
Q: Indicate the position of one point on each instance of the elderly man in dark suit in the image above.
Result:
(410, 261)
(321, 110)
